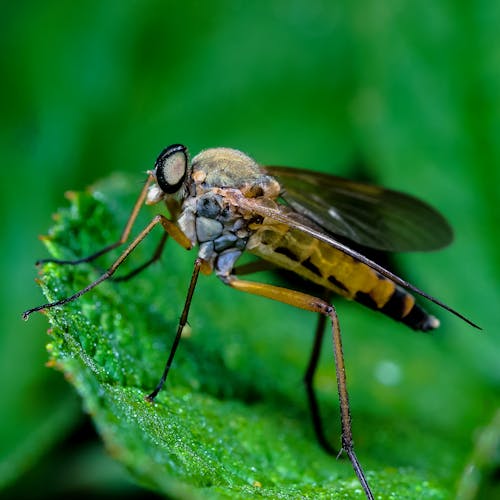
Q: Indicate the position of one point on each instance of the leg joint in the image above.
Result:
(324, 307)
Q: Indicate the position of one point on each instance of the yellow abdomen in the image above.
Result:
(328, 267)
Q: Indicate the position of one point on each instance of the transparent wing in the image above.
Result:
(365, 214)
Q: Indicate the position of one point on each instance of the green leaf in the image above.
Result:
(232, 420)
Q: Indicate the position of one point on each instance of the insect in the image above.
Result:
(309, 223)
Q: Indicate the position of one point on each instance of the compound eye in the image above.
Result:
(171, 168)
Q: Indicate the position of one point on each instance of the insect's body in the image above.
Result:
(224, 203)
(223, 232)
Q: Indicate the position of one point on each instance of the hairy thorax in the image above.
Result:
(209, 218)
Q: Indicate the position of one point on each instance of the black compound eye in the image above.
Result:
(171, 168)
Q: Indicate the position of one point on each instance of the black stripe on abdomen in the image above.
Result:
(396, 307)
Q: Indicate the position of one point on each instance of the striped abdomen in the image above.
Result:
(326, 266)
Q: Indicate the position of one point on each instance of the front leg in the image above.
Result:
(123, 238)
(168, 226)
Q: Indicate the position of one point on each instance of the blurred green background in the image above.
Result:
(409, 92)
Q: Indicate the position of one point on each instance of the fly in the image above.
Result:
(309, 223)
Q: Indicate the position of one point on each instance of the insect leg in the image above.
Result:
(168, 226)
(156, 256)
(315, 304)
(264, 265)
(123, 238)
(182, 323)
(311, 393)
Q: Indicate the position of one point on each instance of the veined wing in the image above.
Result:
(365, 214)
